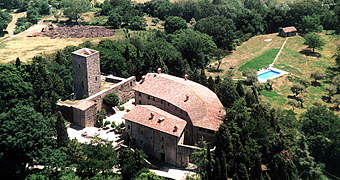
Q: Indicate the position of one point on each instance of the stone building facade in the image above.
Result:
(86, 72)
(191, 102)
(288, 31)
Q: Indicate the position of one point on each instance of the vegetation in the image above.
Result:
(111, 99)
(314, 41)
(5, 18)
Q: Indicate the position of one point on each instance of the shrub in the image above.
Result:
(113, 125)
(111, 99)
(100, 116)
(107, 123)
(121, 108)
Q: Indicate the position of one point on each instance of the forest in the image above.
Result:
(255, 141)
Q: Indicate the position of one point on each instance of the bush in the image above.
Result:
(113, 125)
(101, 114)
(111, 99)
(107, 123)
(121, 108)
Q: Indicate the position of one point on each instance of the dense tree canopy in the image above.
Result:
(5, 18)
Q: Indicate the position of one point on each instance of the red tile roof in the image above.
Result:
(203, 106)
(289, 29)
(141, 114)
(84, 104)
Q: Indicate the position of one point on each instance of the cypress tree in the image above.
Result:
(217, 80)
(17, 62)
(243, 173)
(239, 89)
(62, 135)
(203, 78)
(209, 164)
(217, 170)
(211, 84)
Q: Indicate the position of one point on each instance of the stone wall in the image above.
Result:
(158, 144)
(123, 89)
(85, 118)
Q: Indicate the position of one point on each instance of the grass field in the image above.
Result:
(261, 61)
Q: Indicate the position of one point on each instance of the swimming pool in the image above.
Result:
(267, 74)
(270, 74)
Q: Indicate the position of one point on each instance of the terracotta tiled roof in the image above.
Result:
(84, 104)
(160, 120)
(203, 106)
(289, 29)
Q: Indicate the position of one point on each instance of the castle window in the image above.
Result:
(153, 98)
(96, 78)
(150, 137)
(176, 108)
(162, 138)
(79, 65)
(128, 126)
(139, 94)
(140, 102)
(82, 84)
(162, 146)
(130, 83)
(161, 101)
(181, 111)
(148, 96)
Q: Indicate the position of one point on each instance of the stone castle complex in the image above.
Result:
(170, 116)
(172, 113)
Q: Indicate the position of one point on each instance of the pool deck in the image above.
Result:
(281, 73)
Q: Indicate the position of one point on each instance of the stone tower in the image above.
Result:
(86, 72)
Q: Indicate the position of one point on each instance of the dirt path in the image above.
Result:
(11, 26)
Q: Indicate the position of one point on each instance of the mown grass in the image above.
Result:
(261, 61)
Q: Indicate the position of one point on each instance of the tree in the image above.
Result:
(196, 48)
(305, 82)
(131, 163)
(311, 24)
(114, 20)
(174, 23)
(251, 76)
(26, 139)
(5, 18)
(220, 54)
(313, 40)
(226, 92)
(222, 30)
(100, 158)
(294, 103)
(62, 135)
(336, 100)
(101, 114)
(74, 9)
(111, 99)
(270, 83)
(317, 75)
(297, 88)
(302, 97)
(336, 82)
(138, 23)
(330, 90)
(17, 62)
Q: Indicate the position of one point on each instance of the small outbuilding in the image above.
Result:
(288, 31)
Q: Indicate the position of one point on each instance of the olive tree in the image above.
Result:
(111, 99)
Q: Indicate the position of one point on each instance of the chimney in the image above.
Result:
(143, 79)
(186, 98)
(186, 77)
(152, 115)
(175, 129)
(159, 70)
(160, 120)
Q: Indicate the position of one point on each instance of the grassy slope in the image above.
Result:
(298, 64)
(261, 61)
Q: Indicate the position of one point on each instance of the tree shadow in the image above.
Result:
(215, 70)
(3, 33)
(291, 96)
(315, 83)
(308, 52)
(334, 108)
(326, 99)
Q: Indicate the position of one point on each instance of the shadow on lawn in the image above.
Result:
(308, 52)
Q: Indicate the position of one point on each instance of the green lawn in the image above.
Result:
(261, 61)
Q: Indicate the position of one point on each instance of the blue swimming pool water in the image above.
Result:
(267, 74)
